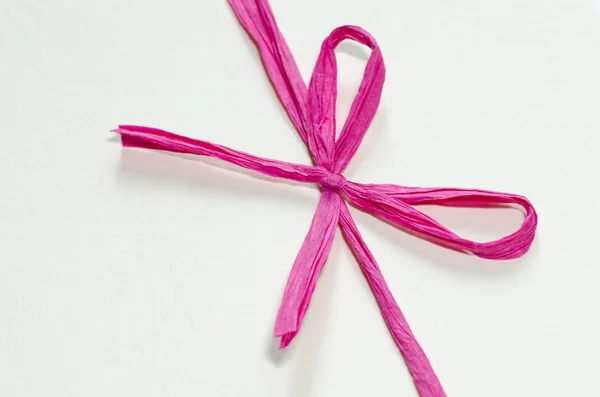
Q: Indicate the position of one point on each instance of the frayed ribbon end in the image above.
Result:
(286, 339)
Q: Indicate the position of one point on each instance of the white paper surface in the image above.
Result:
(109, 288)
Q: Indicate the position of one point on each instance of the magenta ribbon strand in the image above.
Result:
(312, 111)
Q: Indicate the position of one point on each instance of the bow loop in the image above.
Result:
(322, 94)
(395, 204)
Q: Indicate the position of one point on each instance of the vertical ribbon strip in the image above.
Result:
(312, 111)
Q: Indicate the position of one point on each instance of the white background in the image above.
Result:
(136, 273)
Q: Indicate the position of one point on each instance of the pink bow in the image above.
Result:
(312, 111)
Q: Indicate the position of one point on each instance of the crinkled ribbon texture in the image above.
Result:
(312, 111)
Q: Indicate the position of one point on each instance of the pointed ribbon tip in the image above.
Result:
(312, 111)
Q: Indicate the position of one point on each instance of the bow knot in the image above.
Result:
(332, 180)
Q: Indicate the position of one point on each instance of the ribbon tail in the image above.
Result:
(153, 138)
(424, 377)
(258, 20)
(307, 266)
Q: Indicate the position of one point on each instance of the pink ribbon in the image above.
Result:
(312, 111)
